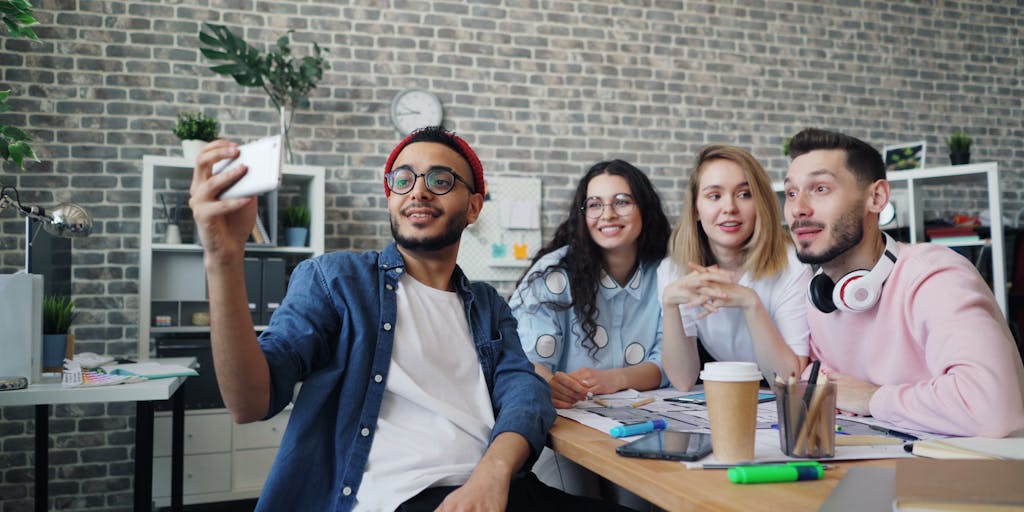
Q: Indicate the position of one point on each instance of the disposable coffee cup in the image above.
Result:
(731, 389)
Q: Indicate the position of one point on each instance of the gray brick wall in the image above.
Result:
(543, 88)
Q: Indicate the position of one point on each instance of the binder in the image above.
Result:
(273, 288)
(254, 287)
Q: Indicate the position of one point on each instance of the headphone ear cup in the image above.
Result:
(820, 293)
(853, 293)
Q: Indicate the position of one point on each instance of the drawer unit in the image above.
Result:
(251, 467)
(261, 434)
(204, 473)
(204, 433)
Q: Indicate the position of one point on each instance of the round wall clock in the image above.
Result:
(415, 108)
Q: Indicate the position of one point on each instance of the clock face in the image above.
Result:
(415, 108)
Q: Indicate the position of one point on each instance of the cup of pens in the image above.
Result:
(807, 417)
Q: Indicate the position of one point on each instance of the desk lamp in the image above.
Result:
(67, 220)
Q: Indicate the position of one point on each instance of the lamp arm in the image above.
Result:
(35, 212)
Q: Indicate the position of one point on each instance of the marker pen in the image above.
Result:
(638, 428)
(790, 472)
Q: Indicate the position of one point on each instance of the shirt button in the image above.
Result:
(364, 432)
(398, 270)
(378, 378)
(347, 490)
(389, 287)
(387, 326)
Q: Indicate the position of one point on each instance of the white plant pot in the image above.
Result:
(190, 148)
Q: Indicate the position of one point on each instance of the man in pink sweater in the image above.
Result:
(911, 333)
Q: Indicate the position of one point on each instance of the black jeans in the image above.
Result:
(526, 494)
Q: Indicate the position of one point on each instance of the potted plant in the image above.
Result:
(296, 225)
(195, 129)
(959, 144)
(58, 343)
(287, 80)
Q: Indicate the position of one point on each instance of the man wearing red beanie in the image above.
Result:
(416, 394)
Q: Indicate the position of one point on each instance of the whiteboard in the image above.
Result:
(499, 245)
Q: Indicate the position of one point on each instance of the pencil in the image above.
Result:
(602, 402)
(642, 402)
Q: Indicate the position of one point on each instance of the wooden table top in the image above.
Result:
(671, 486)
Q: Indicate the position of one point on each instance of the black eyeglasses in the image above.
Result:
(439, 180)
(622, 205)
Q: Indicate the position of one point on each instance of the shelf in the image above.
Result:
(254, 248)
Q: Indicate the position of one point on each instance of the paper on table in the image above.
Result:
(767, 449)
(152, 370)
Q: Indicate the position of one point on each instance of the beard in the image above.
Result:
(847, 232)
(452, 234)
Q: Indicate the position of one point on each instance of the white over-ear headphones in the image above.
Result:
(856, 291)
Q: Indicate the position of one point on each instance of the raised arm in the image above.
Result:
(224, 227)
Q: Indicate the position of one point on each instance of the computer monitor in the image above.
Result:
(50, 257)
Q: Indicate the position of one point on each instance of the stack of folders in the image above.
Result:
(968, 485)
(972, 448)
(952, 235)
(993, 485)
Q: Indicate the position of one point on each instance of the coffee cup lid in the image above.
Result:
(730, 371)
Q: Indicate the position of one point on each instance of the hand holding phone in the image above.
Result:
(263, 159)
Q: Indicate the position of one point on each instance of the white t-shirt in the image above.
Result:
(725, 335)
(436, 416)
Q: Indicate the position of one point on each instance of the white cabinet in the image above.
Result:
(208, 456)
(909, 193)
(223, 461)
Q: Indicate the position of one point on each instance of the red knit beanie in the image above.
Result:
(441, 136)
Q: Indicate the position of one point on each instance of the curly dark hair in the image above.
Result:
(584, 259)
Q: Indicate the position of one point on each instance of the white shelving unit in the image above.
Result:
(168, 269)
(908, 194)
(223, 461)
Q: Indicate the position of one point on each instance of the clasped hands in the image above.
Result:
(709, 288)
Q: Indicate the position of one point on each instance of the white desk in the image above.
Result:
(143, 394)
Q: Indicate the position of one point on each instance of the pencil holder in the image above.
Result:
(807, 418)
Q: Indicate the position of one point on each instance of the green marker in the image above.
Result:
(789, 472)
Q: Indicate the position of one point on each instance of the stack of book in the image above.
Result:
(951, 235)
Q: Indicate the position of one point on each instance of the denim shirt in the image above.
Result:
(334, 332)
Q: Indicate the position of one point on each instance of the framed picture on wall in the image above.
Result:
(904, 157)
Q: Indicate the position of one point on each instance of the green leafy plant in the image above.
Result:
(58, 313)
(16, 15)
(286, 79)
(785, 146)
(296, 216)
(959, 142)
(196, 126)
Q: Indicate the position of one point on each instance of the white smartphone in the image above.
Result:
(263, 158)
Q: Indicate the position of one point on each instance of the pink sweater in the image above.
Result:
(937, 345)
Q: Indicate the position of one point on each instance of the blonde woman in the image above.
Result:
(732, 279)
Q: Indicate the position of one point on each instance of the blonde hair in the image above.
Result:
(764, 254)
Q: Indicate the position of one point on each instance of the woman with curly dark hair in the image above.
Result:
(588, 309)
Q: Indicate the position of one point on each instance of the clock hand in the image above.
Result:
(409, 113)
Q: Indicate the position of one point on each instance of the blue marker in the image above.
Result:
(638, 428)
